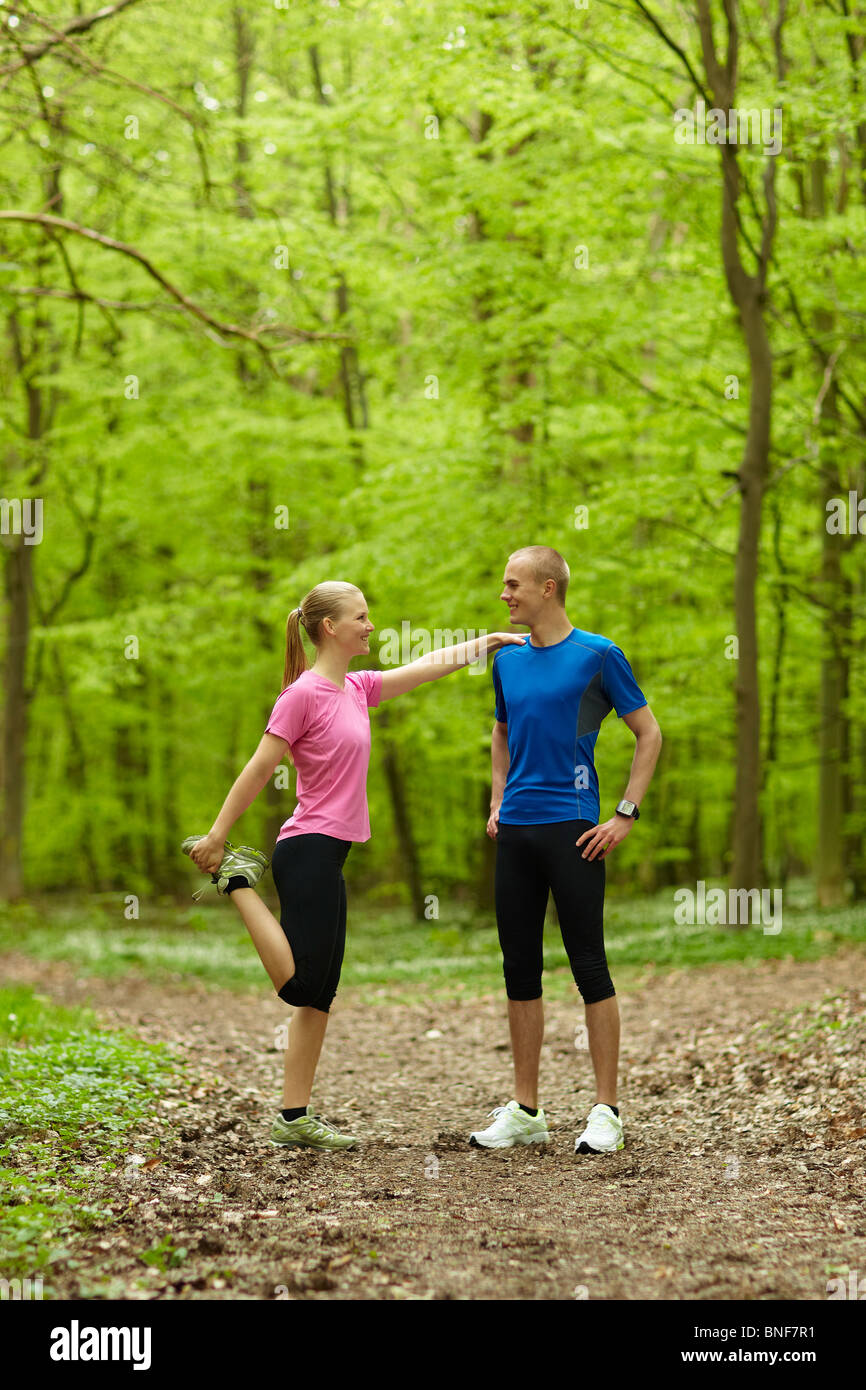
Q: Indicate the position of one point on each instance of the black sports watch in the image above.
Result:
(628, 808)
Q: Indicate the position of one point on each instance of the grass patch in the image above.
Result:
(389, 957)
(69, 1092)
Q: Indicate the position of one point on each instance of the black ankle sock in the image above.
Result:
(295, 1114)
(533, 1113)
(236, 881)
(610, 1107)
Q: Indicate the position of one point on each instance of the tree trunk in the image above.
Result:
(747, 867)
(748, 293)
(77, 773)
(833, 725)
(18, 575)
(402, 819)
(353, 390)
(833, 728)
(244, 50)
(261, 538)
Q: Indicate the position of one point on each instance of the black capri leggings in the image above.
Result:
(308, 873)
(531, 862)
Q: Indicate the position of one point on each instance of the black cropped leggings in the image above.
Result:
(531, 862)
(308, 874)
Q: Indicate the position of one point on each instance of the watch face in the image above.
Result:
(626, 808)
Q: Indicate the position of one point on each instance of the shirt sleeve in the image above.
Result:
(618, 682)
(501, 711)
(371, 684)
(291, 715)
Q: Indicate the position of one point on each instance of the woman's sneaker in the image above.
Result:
(309, 1132)
(238, 861)
(511, 1126)
(603, 1133)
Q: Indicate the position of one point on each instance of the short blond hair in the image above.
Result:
(546, 564)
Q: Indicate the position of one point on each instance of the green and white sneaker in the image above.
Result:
(603, 1132)
(511, 1126)
(309, 1132)
(237, 860)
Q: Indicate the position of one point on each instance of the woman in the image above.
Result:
(322, 718)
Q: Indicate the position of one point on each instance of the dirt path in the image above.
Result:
(742, 1175)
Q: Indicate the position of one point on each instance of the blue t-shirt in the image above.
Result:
(553, 700)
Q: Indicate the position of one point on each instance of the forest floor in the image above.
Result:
(742, 1093)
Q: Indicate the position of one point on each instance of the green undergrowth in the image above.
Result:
(391, 957)
(70, 1090)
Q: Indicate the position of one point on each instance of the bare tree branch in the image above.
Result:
(192, 117)
(50, 223)
(32, 52)
(88, 525)
(606, 51)
(675, 48)
(51, 292)
(696, 535)
(822, 355)
(60, 37)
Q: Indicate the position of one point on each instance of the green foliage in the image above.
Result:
(64, 1082)
(390, 957)
(164, 1254)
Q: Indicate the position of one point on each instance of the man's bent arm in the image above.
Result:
(648, 743)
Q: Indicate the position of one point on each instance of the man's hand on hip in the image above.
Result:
(601, 839)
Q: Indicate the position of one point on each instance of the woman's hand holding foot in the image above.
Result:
(208, 853)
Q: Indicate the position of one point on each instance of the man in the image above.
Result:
(551, 697)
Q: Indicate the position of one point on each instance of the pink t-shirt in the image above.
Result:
(328, 731)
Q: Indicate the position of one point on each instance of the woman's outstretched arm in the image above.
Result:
(443, 662)
(208, 853)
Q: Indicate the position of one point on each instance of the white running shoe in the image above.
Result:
(511, 1126)
(603, 1133)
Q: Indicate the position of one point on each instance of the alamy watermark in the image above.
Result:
(733, 127)
(854, 1289)
(399, 648)
(846, 517)
(22, 516)
(21, 1289)
(714, 907)
(77, 1343)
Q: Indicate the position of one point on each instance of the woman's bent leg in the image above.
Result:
(306, 1035)
(307, 871)
(268, 936)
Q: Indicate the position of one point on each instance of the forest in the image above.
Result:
(383, 291)
(380, 292)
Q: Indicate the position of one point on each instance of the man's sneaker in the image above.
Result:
(237, 860)
(603, 1133)
(511, 1126)
(309, 1132)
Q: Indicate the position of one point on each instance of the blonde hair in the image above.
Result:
(546, 564)
(324, 601)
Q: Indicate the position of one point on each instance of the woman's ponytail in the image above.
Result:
(296, 657)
